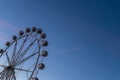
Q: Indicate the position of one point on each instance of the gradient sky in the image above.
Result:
(83, 35)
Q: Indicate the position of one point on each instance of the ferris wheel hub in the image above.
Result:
(9, 67)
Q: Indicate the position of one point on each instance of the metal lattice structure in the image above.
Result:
(22, 57)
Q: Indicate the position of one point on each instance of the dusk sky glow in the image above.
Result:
(83, 35)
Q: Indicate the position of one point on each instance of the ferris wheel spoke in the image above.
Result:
(14, 52)
(2, 74)
(23, 70)
(26, 50)
(13, 75)
(21, 48)
(3, 66)
(25, 59)
(22, 45)
(8, 59)
(7, 75)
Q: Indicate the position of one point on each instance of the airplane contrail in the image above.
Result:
(68, 50)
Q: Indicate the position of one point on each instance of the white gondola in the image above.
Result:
(43, 35)
(34, 29)
(44, 43)
(28, 30)
(35, 78)
(39, 31)
(44, 53)
(41, 66)
(21, 32)
(8, 43)
(14, 37)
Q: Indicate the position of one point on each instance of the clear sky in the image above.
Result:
(83, 35)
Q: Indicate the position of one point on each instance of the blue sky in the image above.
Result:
(83, 35)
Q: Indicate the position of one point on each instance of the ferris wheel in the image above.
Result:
(22, 57)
